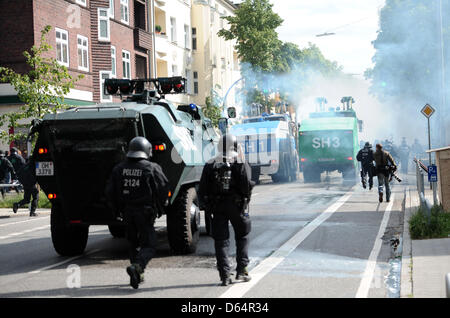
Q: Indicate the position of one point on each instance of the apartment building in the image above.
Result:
(173, 50)
(96, 38)
(114, 38)
(216, 66)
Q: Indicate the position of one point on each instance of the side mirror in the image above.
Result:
(231, 112)
(223, 125)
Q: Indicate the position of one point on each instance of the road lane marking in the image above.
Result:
(62, 262)
(269, 263)
(24, 232)
(36, 219)
(363, 290)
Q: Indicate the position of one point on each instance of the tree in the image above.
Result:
(41, 90)
(265, 59)
(212, 111)
(254, 29)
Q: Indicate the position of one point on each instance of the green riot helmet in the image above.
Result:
(139, 148)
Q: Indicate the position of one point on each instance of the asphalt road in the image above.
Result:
(308, 240)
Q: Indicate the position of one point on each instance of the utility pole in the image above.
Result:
(443, 101)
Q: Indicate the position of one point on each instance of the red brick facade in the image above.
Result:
(21, 22)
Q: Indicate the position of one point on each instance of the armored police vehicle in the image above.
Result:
(328, 141)
(270, 148)
(76, 150)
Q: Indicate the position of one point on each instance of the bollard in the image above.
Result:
(447, 284)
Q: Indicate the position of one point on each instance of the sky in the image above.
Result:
(355, 23)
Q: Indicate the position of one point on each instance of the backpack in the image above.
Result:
(222, 178)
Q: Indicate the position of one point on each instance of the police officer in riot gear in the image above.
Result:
(365, 156)
(385, 164)
(5, 168)
(224, 192)
(138, 189)
(404, 156)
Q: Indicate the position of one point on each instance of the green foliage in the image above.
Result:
(264, 57)
(253, 27)
(212, 111)
(41, 90)
(43, 202)
(437, 227)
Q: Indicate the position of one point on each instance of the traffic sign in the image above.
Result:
(432, 173)
(427, 111)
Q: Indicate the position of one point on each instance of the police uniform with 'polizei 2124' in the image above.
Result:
(224, 193)
(138, 189)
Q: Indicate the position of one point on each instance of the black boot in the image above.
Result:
(380, 197)
(135, 272)
(226, 280)
(15, 207)
(242, 275)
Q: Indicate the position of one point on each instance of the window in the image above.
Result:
(82, 2)
(111, 8)
(174, 70)
(104, 75)
(113, 61)
(188, 76)
(62, 46)
(124, 12)
(83, 53)
(103, 24)
(126, 63)
(194, 38)
(195, 83)
(173, 30)
(223, 63)
(186, 36)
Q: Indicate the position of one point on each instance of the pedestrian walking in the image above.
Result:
(224, 192)
(27, 177)
(6, 169)
(365, 156)
(138, 189)
(384, 165)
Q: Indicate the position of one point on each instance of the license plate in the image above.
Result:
(44, 168)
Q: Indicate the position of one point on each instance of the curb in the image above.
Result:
(406, 288)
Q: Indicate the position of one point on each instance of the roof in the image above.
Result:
(439, 149)
(328, 123)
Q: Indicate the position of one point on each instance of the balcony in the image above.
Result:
(142, 39)
(161, 45)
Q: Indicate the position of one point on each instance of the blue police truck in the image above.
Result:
(269, 144)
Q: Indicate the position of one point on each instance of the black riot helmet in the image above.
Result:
(139, 148)
(228, 145)
(367, 145)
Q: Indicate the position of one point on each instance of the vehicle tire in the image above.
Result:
(117, 231)
(68, 240)
(183, 222)
(256, 172)
(283, 173)
(294, 173)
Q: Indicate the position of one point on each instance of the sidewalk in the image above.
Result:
(424, 262)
